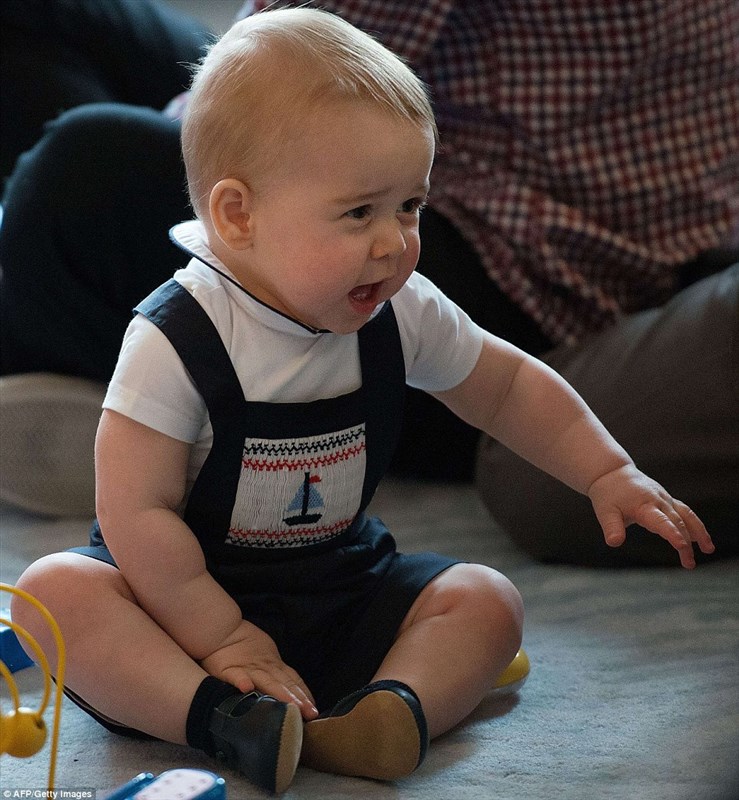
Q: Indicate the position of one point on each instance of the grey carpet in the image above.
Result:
(634, 690)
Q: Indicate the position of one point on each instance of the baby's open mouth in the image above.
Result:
(365, 296)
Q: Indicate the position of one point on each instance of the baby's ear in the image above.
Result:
(230, 213)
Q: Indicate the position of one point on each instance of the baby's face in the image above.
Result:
(336, 229)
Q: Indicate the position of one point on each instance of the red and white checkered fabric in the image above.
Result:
(589, 147)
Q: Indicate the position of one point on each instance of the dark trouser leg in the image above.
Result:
(435, 444)
(58, 54)
(84, 237)
(665, 382)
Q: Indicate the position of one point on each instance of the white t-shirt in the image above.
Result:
(276, 359)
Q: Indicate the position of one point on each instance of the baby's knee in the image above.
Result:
(495, 597)
(486, 599)
(56, 582)
(497, 608)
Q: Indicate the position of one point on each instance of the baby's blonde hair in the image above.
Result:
(257, 86)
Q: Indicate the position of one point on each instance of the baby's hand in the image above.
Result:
(249, 660)
(626, 495)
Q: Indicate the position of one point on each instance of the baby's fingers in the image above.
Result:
(238, 677)
(665, 521)
(285, 686)
(614, 529)
(288, 687)
(625, 496)
(696, 529)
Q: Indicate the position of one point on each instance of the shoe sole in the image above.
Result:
(47, 437)
(377, 739)
(291, 741)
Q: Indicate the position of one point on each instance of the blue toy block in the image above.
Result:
(183, 784)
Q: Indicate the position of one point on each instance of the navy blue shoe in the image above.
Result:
(259, 736)
(377, 732)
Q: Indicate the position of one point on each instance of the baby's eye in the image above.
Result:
(413, 205)
(360, 212)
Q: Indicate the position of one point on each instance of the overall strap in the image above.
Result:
(193, 335)
(197, 342)
(383, 386)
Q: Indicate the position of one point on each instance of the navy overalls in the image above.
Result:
(278, 506)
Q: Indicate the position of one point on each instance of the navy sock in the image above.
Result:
(208, 696)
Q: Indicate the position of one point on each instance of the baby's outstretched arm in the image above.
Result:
(141, 477)
(526, 406)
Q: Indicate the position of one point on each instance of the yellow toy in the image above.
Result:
(23, 730)
(514, 675)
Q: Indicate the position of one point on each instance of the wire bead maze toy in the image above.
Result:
(23, 730)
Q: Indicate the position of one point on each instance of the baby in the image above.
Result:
(234, 595)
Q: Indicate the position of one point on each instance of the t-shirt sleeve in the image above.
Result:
(151, 385)
(441, 344)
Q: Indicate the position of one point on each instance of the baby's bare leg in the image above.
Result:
(118, 659)
(461, 633)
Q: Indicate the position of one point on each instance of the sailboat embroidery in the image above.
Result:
(307, 499)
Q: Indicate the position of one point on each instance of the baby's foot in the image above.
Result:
(377, 732)
(259, 736)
